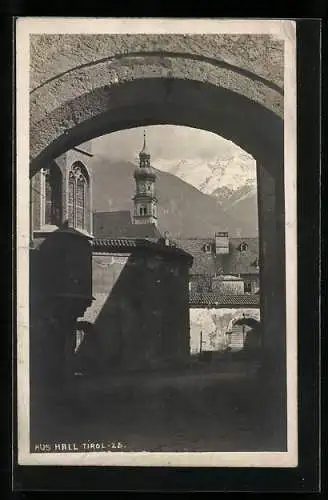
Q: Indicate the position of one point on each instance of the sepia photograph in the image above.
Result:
(156, 242)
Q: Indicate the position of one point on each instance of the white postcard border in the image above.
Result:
(284, 29)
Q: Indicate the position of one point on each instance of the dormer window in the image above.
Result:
(207, 248)
(243, 247)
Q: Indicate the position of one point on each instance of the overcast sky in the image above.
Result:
(164, 141)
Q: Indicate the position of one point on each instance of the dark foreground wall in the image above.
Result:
(60, 291)
(140, 315)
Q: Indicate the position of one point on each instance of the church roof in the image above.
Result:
(235, 262)
(203, 263)
(144, 173)
(129, 244)
(119, 225)
(239, 262)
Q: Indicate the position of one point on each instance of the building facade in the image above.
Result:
(61, 193)
(223, 293)
(223, 263)
(139, 317)
(224, 323)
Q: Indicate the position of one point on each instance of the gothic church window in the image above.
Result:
(52, 195)
(78, 192)
(71, 198)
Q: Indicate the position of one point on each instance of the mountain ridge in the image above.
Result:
(183, 209)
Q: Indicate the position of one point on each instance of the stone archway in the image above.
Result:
(246, 329)
(247, 316)
(109, 83)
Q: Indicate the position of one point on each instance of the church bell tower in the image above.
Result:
(145, 201)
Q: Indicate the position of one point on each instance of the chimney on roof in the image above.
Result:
(221, 243)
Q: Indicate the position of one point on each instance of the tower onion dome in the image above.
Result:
(144, 170)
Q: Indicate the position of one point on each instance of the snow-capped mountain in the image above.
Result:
(229, 172)
(230, 178)
(217, 169)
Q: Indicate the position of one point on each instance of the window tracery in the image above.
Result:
(52, 195)
(78, 185)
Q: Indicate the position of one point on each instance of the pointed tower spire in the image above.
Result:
(144, 152)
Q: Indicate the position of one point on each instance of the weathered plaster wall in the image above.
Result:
(140, 312)
(214, 324)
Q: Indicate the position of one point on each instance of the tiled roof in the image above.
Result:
(114, 243)
(216, 300)
(204, 263)
(104, 223)
(119, 225)
(128, 244)
(236, 262)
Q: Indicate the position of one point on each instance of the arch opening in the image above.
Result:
(178, 101)
(181, 101)
(155, 101)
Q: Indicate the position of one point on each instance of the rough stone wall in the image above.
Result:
(53, 54)
(88, 68)
(140, 314)
(214, 324)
